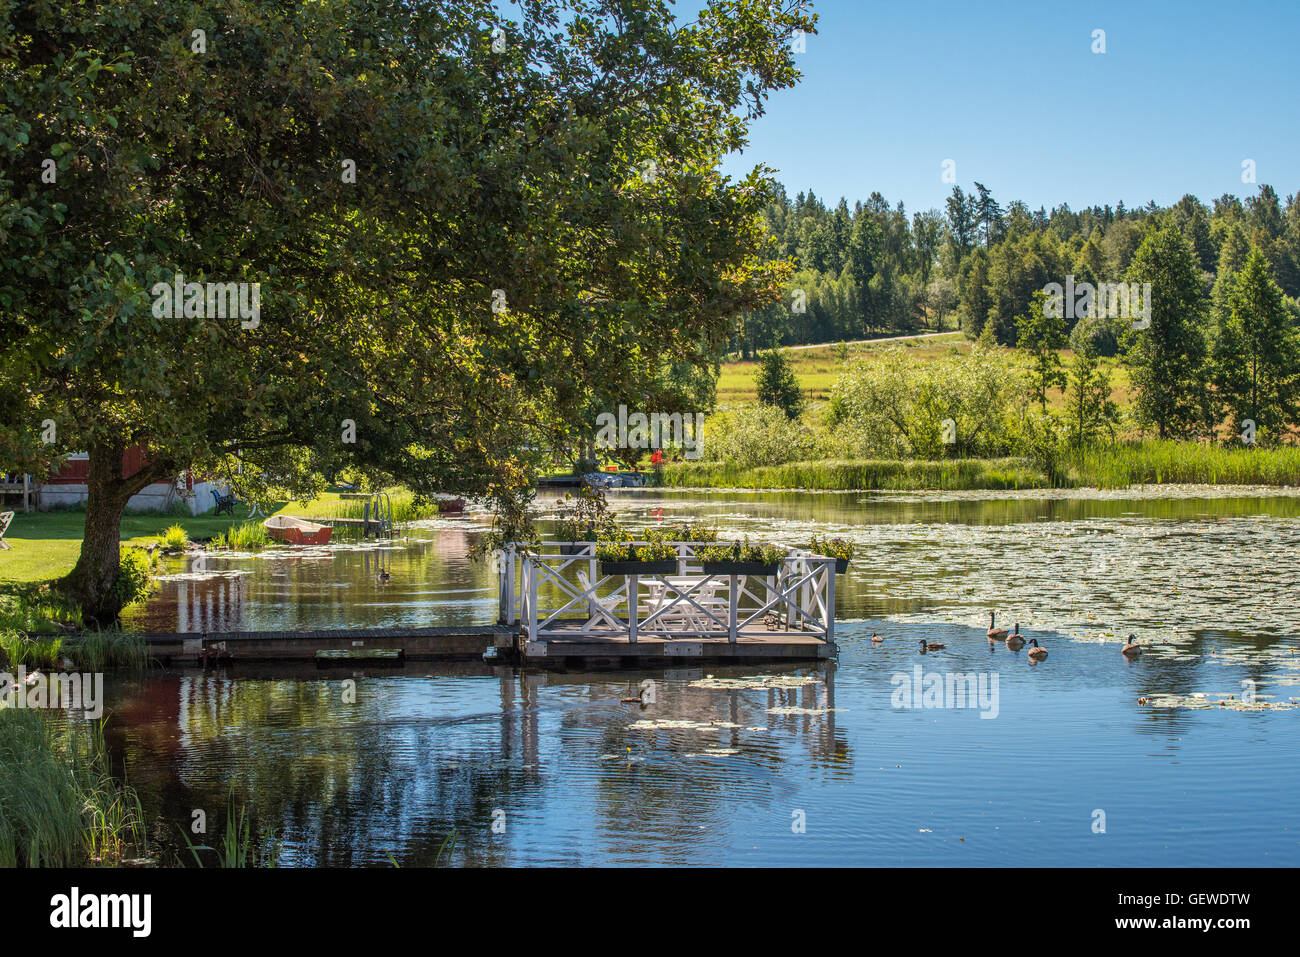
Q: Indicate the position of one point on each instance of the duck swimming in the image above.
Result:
(1016, 641)
(995, 634)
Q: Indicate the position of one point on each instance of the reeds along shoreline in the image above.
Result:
(1152, 462)
(59, 804)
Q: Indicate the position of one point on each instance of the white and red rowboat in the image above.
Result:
(297, 531)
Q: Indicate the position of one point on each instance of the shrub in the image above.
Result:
(885, 404)
(777, 385)
(134, 580)
(1099, 332)
(752, 436)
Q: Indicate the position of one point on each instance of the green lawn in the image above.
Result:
(46, 544)
(817, 368)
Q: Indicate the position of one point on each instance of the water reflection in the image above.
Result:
(713, 769)
(416, 754)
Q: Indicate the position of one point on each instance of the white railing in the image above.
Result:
(558, 591)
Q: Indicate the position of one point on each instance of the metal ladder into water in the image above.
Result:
(380, 506)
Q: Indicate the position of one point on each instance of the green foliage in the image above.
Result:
(1099, 334)
(728, 552)
(615, 550)
(658, 547)
(99, 649)
(1257, 353)
(690, 532)
(174, 538)
(246, 537)
(886, 404)
(840, 548)
(777, 385)
(31, 652)
(499, 260)
(584, 516)
(1167, 360)
(1089, 407)
(1154, 462)
(1041, 334)
(59, 804)
(755, 435)
(763, 554)
(134, 576)
(830, 474)
(35, 607)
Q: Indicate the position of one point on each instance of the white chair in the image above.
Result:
(600, 607)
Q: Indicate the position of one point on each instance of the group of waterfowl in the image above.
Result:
(1015, 641)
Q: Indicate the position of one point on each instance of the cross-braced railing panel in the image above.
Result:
(560, 591)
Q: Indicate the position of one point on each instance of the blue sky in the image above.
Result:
(1012, 92)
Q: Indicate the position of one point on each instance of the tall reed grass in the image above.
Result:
(59, 804)
(1157, 462)
(247, 537)
(405, 508)
(884, 474)
(1152, 462)
(31, 652)
(100, 649)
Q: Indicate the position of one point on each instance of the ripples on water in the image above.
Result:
(718, 769)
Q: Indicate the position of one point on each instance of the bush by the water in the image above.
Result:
(756, 435)
(134, 575)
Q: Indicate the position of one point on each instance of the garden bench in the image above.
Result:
(5, 519)
(225, 503)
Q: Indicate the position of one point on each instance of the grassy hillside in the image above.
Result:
(817, 368)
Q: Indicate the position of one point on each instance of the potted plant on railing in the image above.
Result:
(688, 532)
(740, 558)
(656, 556)
(840, 549)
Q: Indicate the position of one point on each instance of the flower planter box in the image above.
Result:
(573, 548)
(757, 569)
(666, 567)
(841, 565)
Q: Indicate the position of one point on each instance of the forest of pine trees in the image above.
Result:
(875, 270)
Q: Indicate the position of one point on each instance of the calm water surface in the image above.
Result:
(775, 765)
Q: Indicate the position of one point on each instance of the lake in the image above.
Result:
(1186, 756)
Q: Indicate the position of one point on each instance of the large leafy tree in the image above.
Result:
(458, 224)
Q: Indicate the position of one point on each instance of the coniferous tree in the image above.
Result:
(1167, 358)
(1257, 354)
(777, 384)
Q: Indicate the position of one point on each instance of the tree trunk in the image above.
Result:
(92, 582)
